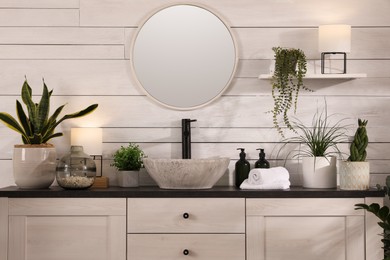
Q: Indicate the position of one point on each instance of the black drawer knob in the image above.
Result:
(186, 252)
(186, 215)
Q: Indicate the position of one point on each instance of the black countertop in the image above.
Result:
(216, 192)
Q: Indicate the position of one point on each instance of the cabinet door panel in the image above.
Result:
(297, 238)
(305, 231)
(70, 237)
(199, 246)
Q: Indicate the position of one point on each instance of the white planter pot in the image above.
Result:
(319, 172)
(128, 179)
(34, 166)
(354, 175)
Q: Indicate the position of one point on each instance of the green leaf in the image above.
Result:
(374, 208)
(383, 213)
(31, 107)
(10, 122)
(47, 138)
(81, 113)
(361, 206)
(23, 119)
(43, 109)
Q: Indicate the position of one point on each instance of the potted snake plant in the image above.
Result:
(34, 161)
(287, 81)
(355, 171)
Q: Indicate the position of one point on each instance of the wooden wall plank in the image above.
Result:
(246, 13)
(61, 35)
(39, 17)
(139, 111)
(61, 52)
(114, 77)
(7, 178)
(69, 77)
(258, 42)
(39, 4)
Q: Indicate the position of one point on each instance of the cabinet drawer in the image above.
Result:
(181, 246)
(186, 215)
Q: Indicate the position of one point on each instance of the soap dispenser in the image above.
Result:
(262, 162)
(242, 168)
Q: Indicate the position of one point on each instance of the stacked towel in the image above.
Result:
(272, 178)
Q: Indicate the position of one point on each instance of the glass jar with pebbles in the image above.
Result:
(76, 170)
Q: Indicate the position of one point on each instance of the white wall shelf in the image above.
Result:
(324, 76)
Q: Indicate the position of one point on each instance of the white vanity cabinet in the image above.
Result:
(67, 228)
(148, 223)
(311, 228)
(181, 228)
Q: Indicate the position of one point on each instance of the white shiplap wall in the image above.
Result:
(82, 49)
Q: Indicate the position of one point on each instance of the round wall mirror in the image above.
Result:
(184, 56)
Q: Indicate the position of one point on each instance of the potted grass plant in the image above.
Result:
(128, 162)
(355, 171)
(34, 161)
(287, 82)
(319, 149)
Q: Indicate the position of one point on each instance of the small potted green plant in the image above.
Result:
(355, 171)
(34, 161)
(287, 81)
(319, 142)
(128, 162)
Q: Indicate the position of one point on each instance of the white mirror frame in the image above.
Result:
(221, 89)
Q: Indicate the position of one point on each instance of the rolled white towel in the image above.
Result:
(279, 185)
(266, 176)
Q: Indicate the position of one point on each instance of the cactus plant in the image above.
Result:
(359, 143)
(38, 127)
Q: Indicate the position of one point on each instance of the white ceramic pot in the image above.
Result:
(319, 172)
(354, 175)
(34, 166)
(128, 179)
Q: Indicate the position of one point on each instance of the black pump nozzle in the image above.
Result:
(261, 154)
(242, 154)
(262, 162)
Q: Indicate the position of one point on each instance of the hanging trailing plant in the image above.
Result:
(287, 81)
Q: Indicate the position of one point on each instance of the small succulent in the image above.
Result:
(128, 158)
(359, 143)
(36, 127)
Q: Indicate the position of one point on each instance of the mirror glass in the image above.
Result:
(184, 56)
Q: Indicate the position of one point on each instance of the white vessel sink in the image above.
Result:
(186, 173)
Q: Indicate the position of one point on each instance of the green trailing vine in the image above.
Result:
(287, 81)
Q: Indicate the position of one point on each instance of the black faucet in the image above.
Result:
(186, 137)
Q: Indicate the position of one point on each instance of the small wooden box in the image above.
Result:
(100, 182)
